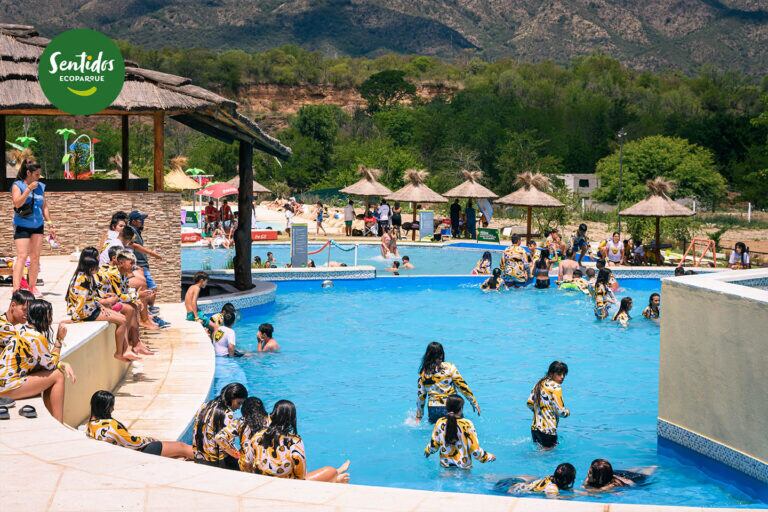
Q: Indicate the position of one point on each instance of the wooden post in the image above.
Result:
(3, 163)
(413, 231)
(159, 132)
(528, 228)
(124, 153)
(243, 278)
(658, 241)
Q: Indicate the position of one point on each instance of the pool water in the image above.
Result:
(350, 358)
(426, 260)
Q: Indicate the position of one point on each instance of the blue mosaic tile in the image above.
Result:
(758, 282)
(714, 450)
(244, 301)
(320, 275)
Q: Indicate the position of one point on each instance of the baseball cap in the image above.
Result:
(137, 215)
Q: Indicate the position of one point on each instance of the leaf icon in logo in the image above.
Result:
(86, 92)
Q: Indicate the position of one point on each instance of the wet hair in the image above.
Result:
(433, 358)
(590, 272)
(454, 405)
(603, 276)
(254, 414)
(282, 423)
(27, 166)
(200, 276)
(215, 411)
(515, 239)
(266, 329)
(102, 404)
(564, 476)
(22, 297)
(310, 264)
(555, 368)
(679, 271)
(406, 258)
(493, 281)
(396, 264)
(744, 249)
(487, 256)
(40, 316)
(624, 307)
(228, 306)
(257, 260)
(599, 264)
(229, 319)
(543, 259)
(569, 252)
(600, 474)
(577, 273)
(650, 299)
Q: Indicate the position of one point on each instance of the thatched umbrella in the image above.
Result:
(176, 179)
(258, 188)
(416, 191)
(368, 186)
(531, 195)
(658, 205)
(471, 188)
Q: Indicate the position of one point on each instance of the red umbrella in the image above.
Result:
(218, 191)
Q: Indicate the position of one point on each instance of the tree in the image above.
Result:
(524, 151)
(690, 166)
(386, 88)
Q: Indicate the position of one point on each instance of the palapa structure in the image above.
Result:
(368, 186)
(145, 93)
(176, 179)
(471, 188)
(530, 195)
(258, 188)
(416, 191)
(658, 204)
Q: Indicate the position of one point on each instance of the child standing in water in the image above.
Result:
(546, 402)
(653, 310)
(438, 380)
(622, 315)
(455, 438)
(603, 297)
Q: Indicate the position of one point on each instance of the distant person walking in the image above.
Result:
(455, 217)
(319, 213)
(471, 220)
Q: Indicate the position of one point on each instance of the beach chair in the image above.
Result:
(371, 227)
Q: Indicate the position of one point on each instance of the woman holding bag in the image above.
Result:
(29, 220)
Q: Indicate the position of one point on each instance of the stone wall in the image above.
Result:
(82, 219)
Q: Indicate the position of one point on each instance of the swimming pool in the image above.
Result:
(350, 359)
(437, 260)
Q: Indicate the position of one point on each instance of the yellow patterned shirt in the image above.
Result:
(27, 351)
(549, 409)
(239, 429)
(288, 461)
(440, 385)
(541, 485)
(7, 331)
(113, 432)
(82, 297)
(218, 319)
(211, 451)
(110, 281)
(459, 454)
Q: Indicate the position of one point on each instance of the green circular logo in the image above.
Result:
(81, 71)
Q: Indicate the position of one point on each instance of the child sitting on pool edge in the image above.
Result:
(190, 302)
(266, 343)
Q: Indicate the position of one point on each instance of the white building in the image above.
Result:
(582, 184)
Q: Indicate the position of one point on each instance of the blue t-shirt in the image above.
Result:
(35, 220)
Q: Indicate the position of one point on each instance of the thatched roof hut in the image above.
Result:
(415, 190)
(658, 204)
(531, 195)
(176, 179)
(471, 188)
(368, 186)
(258, 188)
(144, 91)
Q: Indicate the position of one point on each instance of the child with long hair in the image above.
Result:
(279, 450)
(455, 438)
(30, 365)
(85, 305)
(622, 315)
(653, 310)
(602, 295)
(602, 477)
(438, 380)
(210, 419)
(540, 270)
(493, 283)
(561, 480)
(103, 427)
(254, 419)
(483, 265)
(546, 402)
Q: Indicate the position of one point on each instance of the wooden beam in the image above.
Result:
(159, 147)
(3, 163)
(107, 112)
(243, 278)
(124, 152)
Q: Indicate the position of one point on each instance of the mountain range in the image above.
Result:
(644, 34)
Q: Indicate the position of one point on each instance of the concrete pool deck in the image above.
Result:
(56, 468)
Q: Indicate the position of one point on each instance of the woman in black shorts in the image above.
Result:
(397, 220)
(29, 219)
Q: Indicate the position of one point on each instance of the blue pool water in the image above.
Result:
(427, 260)
(350, 359)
